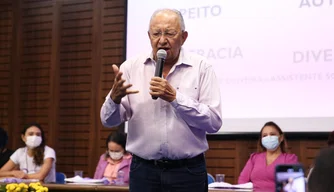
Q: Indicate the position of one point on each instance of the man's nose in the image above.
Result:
(162, 39)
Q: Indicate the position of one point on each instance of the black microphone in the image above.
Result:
(161, 56)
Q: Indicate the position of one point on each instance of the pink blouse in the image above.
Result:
(262, 175)
(111, 170)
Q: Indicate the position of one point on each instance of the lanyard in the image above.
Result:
(27, 168)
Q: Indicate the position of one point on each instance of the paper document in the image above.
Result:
(78, 179)
(248, 185)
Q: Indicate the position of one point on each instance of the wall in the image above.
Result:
(55, 69)
(6, 50)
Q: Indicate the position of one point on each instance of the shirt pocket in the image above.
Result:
(190, 91)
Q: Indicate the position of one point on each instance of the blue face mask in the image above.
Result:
(270, 142)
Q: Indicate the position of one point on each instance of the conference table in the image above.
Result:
(112, 188)
(99, 188)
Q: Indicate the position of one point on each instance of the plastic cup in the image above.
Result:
(78, 173)
(220, 177)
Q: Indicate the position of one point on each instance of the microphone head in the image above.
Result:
(162, 54)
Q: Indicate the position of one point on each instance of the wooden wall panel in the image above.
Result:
(75, 77)
(308, 151)
(113, 40)
(6, 39)
(112, 48)
(221, 158)
(35, 54)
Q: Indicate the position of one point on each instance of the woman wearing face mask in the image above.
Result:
(114, 160)
(260, 168)
(35, 160)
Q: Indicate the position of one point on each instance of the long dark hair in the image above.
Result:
(283, 146)
(321, 178)
(330, 140)
(38, 152)
(117, 137)
(3, 139)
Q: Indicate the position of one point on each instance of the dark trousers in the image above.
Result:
(152, 176)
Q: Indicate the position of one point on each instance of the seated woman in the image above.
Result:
(260, 168)
(330, 144)
(322, 177)
(35, 161)
(4, 152)
(115, 159)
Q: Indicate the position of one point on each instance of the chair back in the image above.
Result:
(60, 178)
(211, 179)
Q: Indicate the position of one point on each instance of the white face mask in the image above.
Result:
(33, 141)
(115, 155)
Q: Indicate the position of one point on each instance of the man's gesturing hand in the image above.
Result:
(119, 90)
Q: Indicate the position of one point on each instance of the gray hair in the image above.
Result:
(177, 12)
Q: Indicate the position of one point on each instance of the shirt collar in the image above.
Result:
(183, 59)
(110, 161)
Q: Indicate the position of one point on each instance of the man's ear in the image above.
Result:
(184, 36)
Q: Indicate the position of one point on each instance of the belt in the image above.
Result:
(169, 163)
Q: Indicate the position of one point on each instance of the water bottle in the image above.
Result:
(120, 178)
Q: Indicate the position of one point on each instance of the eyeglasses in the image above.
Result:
(167, 34)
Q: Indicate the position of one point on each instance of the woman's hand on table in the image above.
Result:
(19, 174)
